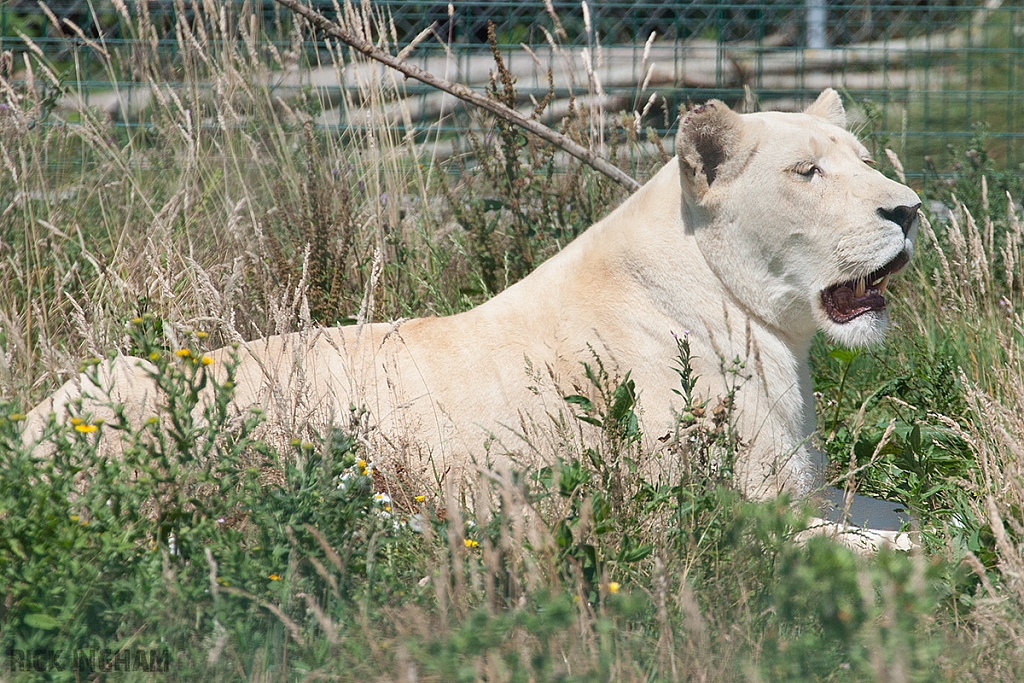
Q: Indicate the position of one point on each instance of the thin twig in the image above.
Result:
(585, 155)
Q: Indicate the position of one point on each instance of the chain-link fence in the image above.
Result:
(925, 74)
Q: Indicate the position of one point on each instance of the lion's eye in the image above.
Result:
(808, 170)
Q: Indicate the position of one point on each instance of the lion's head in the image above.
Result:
(793, 219)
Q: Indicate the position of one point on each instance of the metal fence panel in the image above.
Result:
(926, 73)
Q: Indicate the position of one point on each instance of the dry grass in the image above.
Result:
(970, 295)
(229, 214)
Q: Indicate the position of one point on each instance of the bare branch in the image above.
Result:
(585, 155)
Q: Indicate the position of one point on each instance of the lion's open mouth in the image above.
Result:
(852, 299)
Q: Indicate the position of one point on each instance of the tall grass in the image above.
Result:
(222, 213)
(230, 215)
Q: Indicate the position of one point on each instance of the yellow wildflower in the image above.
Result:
(420, 499)
(274, 577)
(16, 417)
(201, 335)
(182, 353)
(470, 543)
(613, 587)
(75, 518)
(153, 355)
(136, 321)
(85, 429)
(206, 360)
(75, 421)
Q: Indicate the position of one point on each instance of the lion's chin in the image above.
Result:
(867, 329)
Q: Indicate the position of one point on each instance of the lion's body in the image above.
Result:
(732, 243)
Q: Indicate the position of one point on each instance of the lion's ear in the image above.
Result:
(829, 106)
(708, 136)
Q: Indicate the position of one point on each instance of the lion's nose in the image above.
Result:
(903, 216)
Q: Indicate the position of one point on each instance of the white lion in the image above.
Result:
(765, 228)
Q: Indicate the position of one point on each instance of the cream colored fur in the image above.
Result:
(731, 242)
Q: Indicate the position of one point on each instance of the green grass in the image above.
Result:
(249, 558)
